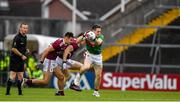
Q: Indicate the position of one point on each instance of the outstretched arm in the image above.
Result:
(46, 52)
(65, 56)
(80, 39)
(67, 51)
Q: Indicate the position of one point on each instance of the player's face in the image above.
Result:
(68, 40)
(24, 29)
(97, 31)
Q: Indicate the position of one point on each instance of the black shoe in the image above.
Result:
(60, 93)
(8, 94)
(75, 87)
(20, 93)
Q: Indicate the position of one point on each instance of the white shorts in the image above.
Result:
(69, 62)
(49, 65)
(94, 59)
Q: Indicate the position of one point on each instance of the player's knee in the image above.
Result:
(61, 77)
(12, 77)
(84, 68)
(20, 78)
(98, 76)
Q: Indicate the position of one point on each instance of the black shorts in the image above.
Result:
(16, 65)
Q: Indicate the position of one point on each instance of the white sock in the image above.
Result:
(77, 79)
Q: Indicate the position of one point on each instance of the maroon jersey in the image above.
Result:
(75, 46)
(59, 45)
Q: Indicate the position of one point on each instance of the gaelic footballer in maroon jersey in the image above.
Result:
(59, 46)
(75, 45)
(68, 53)
(66, 63)
(50, 65)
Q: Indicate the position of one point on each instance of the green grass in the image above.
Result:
(45, 94)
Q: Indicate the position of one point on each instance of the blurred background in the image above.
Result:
(141, 36)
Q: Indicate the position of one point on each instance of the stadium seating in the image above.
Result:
(141, 33)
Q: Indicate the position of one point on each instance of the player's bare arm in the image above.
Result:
(80, 39)
(45, 53)
(67, 52)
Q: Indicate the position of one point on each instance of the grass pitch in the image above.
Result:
(47, 94)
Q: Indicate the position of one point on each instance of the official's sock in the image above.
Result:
(19, 86)
(9, 84)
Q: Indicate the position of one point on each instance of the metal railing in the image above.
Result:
(140, 14)
(147, 11)
(155, 65)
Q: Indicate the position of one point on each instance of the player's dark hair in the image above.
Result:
(94, 27)
(23, 23)
(69, 34)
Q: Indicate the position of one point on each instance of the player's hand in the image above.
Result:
(24, 57)
(85, 36)
(64, 65)
(40, 65)
(69, 54)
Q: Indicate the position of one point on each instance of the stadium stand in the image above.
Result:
(136, 36)
(144, 39)
(168, 57)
